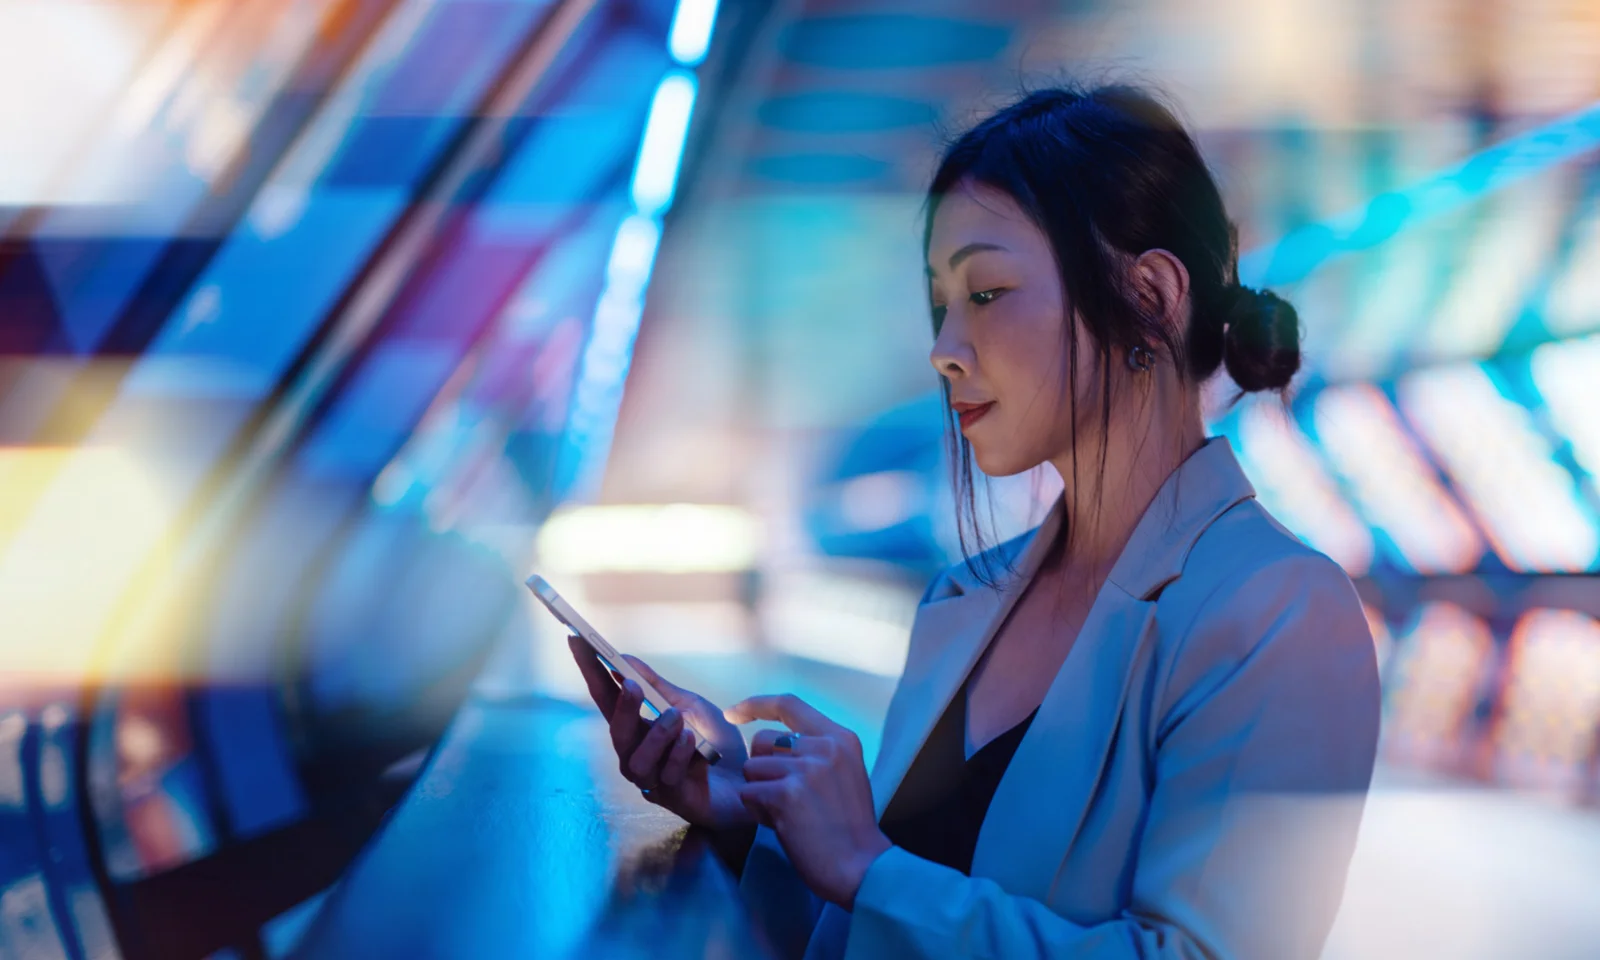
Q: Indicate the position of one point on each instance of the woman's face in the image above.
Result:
(1003, 319)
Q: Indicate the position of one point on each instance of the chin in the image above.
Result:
(1001, 463)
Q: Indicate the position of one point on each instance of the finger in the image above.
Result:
(644, 766)
(762, 742)
(770, 798)
(769, 768)
(627, 728)
(678, 760)
(770, 743)
(785, 708)
(595, 675)
(676, 695)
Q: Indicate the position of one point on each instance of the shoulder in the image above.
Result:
(1247, 561)
(1253, 595)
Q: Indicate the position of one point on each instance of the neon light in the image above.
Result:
(669, 538)
(603, 369)
(1290, 475)
(655, 178)
(1505, 163)
(1393, 485)
(691, 31)
(1568, 378)
(1502, 464)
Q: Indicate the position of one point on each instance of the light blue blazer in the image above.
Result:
(1191, 786)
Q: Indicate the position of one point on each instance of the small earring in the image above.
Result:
(1140, 359)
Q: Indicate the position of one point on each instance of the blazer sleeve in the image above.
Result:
(783, 906)
(1263, 750)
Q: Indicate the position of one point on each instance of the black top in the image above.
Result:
(938, 809)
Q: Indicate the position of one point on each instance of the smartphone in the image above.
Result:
(610, 657)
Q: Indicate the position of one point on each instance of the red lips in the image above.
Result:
(971, 413)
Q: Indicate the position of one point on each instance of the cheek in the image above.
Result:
(1024, 364)
(1025, 360)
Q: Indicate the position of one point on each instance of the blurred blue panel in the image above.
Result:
(93, 278)
(446, 70)
(101, 257)
(567, 279)
(377, 411)
(572, 149)
(264, 295)
(454, 56)
(819, 168)
(252, 756)
(565, 163)
(459, 294)
(620, 75)
(283, 933)
(562, 163)
(844, 111)
(891, 41)
(27, 305)
(390, 152)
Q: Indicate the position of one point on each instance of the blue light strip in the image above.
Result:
(603, 368)
(690, 37)
(1295, 256)
(655, 177)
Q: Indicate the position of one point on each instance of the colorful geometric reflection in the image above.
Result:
(1390, 481)
(1529, 505)
(1434, 688)
(1549, 711)
(1567, 376)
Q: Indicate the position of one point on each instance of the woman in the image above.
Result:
(1145, 729)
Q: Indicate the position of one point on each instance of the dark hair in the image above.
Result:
(1107, 173)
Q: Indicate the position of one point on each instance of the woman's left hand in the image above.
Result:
(815, 795)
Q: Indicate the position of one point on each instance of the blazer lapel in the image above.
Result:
(955, 630)
(1060, 760)
(1046, 791)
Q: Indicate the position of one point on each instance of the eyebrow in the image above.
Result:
(967, 251)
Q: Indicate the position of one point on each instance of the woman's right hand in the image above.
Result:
(659, 756)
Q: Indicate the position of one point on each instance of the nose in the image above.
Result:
(952, 354)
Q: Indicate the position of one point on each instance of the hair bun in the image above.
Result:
(1261, 340)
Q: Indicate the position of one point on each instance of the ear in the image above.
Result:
(1161, 282)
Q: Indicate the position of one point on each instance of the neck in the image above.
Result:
(1145, 445)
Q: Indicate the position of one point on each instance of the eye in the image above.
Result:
(982, 297)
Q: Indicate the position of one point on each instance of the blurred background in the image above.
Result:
(323, 323)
